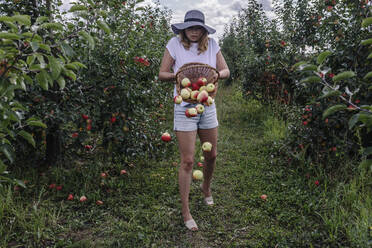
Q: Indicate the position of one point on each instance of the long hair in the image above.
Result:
(202, 44)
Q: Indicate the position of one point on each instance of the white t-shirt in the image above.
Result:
(182, 56)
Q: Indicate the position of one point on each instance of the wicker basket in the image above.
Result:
(194, 71)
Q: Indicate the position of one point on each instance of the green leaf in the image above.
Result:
(22, 19)
(333, 109)
(81, 65)
(27, 136)
(78, 8)
(343, 75)
(366, 42)
(52, 25)
(61, 82)
(2, 167)
(330, 93)
(70, 74)
(35, 123)
(67, 50)
(103, 25)
(7, 150)
(311, 79)
(298, 64)
(308, 67)
(12, 26)
(42, 19)
(369, 56)
(6, 19)
(368, 75)
(366, 22)
(353, 120)
(323, 56)
(42, 79)
(35, 46)
(30, 59)
(9, 36)
(45, 47)
(20, 183)
(88, 38)
(55, 67)
(366, 118)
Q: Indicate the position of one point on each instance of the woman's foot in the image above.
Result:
(208, 199)
(189, 222)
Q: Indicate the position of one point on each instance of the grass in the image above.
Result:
(142, 207)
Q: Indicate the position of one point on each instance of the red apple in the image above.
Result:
(195, 86)
(191, 112)
(194, 94)
(83, 198)
(178, 99)
(263, 197)
(203, 96)
(103, 175)
(186, 82)
(70, 197)
(122, 172)
(209, 101)
(166, 137)
(200, 164)
(98, 202)
(202, 81)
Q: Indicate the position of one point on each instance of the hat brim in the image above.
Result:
(177, 27)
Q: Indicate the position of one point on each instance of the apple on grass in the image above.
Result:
(197, 174)
(186, 82)
(194, 94)
(207, 146)
(210, 87)
(83, 198)
(199, 108)
(191, 112)
(202, 96)
(185, 94)
(178, 99)
(166, 137)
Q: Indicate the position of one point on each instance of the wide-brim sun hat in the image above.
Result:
(192, 18)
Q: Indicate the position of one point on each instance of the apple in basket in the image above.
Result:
(211, 87)
(202, 81)
(186, 82)
(191, 112)
(209, 101)
(185, 94)
(195, 86)
(202, 88)
(202, 96)
(194, 94)
(199, 108)
(178, 99)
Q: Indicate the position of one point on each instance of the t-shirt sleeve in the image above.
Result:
(171, 46)
(215, 47)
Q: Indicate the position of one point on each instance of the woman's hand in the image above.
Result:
(222, 67)
(167, 62)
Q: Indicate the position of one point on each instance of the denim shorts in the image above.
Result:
(205, 120)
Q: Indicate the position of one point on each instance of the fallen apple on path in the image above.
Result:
(70, 197)
(197, 174)
(207, 146)
(83, 198)
(122, 172)
(263, 197)
(166, 137)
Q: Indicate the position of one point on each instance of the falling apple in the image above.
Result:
(191, 112)
(207, 146)
(197, 174)
(209, 101)
(210, 87)
(202, 158)
(199, 108)
(166, 137)
(185, 94)
(186, 82)
(178, 99)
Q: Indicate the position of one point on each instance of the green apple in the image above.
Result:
(185, 94)
(207, 146)
(197, 174)
(186, 82)
(199, 108)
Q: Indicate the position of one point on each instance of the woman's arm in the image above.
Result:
(222, 67)
(165, 73)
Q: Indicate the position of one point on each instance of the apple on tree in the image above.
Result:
(186, 82)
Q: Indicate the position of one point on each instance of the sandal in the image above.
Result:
(209, 199)
(191, 225)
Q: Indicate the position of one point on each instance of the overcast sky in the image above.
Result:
(217, 13)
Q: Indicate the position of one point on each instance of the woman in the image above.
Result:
(193, 45)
